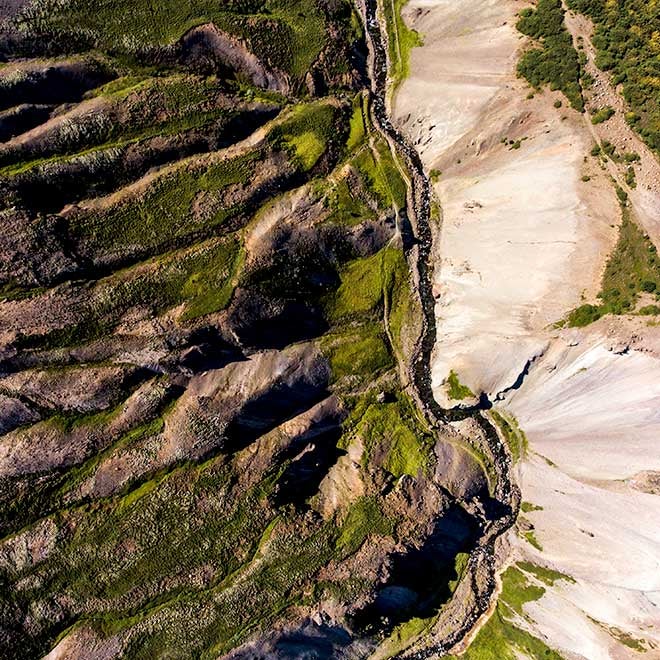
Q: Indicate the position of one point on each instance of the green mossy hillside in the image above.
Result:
(194, 197)
(136, 108)
(287, 35)
(198, 513)
(382, 174)
(369, 312)
(392, 433)
(201, 279)
(162, 214)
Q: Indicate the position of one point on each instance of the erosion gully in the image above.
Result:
(454, 624)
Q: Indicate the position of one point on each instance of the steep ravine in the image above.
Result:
(453, 626)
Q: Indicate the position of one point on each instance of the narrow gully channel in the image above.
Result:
(416, 232)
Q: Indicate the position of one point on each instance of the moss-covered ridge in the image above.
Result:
(272, 43)
(263, 293)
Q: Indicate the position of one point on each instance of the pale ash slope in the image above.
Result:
(522, 236)
(590, 408)
(524, 240)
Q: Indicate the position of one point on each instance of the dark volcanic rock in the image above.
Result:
(208, 48)
(57, 82)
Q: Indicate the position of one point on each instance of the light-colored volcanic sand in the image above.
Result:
(592, 395)
(591, 409)
(522, 236)
(453, 76)
(523, 241)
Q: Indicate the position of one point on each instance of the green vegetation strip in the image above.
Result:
(400, 40)
(515, 437)
(627, 44)
(547, 575)
(554, 61)
(632, 270)
(164, 211)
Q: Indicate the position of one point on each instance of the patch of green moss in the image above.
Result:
(517, 590)
(359, 352)
(400, 299)
(364, 518)
(501, 640)
(455, 389)
(513, 434)
(382, 174)
(393, 435)
(73, 420)
(460, 566)
(306, 132)
(365, 282)
(546, 575)
(163, 213)
(361, 288)
(407, 455)
(12, 291)
(348, 207)
(358, 124)
(530, 537)
(201, 278)
(210, 283)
